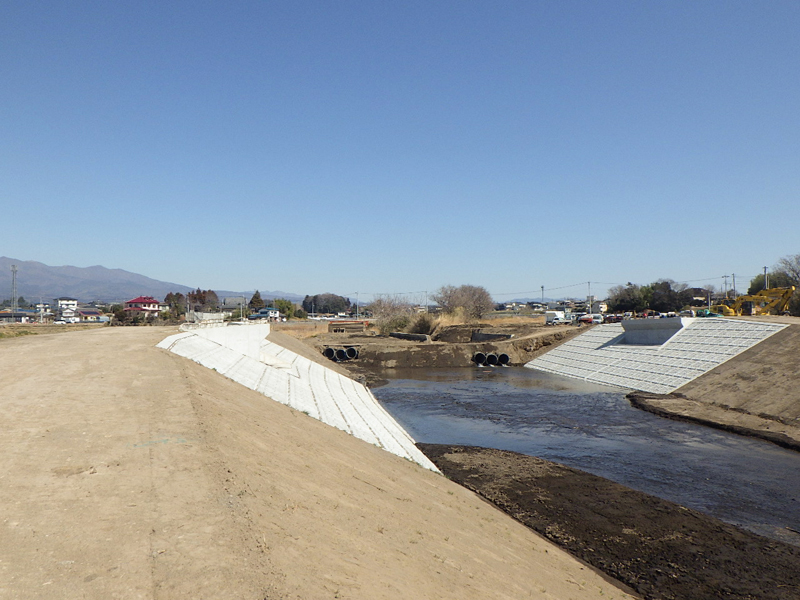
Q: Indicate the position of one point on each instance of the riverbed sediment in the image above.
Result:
(660, 549)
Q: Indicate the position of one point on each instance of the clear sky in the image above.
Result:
(389, 147)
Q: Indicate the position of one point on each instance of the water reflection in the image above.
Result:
(743, 481)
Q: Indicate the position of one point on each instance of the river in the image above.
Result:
(743, 481)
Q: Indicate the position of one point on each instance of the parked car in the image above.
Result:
(593, 319)
(59, 322)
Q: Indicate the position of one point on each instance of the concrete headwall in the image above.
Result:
(651, 332)
(601, 356)
(242, 353)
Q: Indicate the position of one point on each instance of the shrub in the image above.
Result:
(393, 323)
(391, 313)
(423, 323)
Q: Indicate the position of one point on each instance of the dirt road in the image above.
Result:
(128, 472)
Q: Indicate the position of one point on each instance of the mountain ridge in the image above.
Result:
(36, 280)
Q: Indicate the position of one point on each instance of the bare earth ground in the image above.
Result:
(660, 549)
(129, 472)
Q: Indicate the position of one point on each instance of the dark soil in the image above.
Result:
(660, 549)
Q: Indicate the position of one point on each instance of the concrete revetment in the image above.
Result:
(242, 353)
(653, 355)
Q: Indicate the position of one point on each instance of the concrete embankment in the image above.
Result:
(736, 374)
(654, 355)
(244, 354)
(131, 472)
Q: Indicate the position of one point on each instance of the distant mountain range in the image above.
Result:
(37, 281)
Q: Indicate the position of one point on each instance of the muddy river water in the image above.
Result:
(746, 482)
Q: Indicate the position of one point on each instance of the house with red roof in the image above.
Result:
(143, 306)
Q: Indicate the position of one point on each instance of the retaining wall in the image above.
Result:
(241, 353)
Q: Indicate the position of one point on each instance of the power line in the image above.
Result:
(393, 293)
(564, 287)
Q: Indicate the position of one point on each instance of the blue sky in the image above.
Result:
(395, 147)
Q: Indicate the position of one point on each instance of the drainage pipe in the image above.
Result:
(351, 352)
(503, 359)
(479, 358)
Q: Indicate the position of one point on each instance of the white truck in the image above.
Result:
(556, 317)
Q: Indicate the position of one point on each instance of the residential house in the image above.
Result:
(66, 303)
(142, 306)
(89, 315)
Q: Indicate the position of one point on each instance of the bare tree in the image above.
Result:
(391, 313)
(474, 300)
(791, 266)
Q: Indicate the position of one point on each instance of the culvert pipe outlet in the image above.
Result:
(351, 352)
(479, 358)
(329, 353)
(341, 354)
(491, 359)
(503, 359)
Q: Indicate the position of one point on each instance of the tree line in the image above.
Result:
(665, 295)
(208, 301)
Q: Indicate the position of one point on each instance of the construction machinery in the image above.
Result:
(772, 301)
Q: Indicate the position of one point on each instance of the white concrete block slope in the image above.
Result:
(600, 355)
(242, 353)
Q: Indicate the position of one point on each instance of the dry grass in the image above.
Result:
(12, 330)
(301, 329)
(457, 317)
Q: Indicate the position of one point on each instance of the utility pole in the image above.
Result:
(13, 292)
(542, 294)
(356, 305)
(766, 279)
(725, 279)
(734, 285)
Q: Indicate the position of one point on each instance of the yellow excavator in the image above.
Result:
(773, 301)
